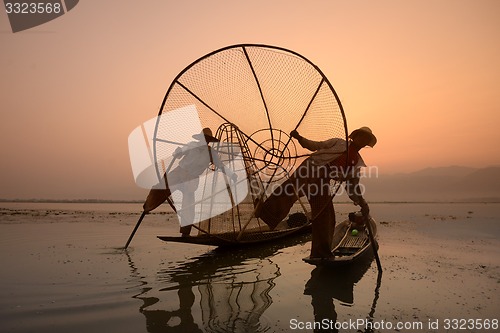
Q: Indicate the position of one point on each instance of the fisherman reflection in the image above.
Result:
(233, 287)
(194, 160)
(329, 283)
(180, 320)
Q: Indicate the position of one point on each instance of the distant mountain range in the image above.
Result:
(444, 184)
(454, 183)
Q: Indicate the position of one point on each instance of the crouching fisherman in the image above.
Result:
(329, 160)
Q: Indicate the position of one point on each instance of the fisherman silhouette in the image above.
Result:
(329, 160)
(193, 161)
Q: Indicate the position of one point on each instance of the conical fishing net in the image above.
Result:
(253, 96)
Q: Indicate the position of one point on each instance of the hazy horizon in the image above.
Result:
(423, 76)
(379, 188)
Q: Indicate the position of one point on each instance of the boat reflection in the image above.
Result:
(232, 287)
(329, 283)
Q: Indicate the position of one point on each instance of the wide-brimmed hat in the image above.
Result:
(366, 132)
(206, 134)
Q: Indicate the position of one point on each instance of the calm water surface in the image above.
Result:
(68, 274)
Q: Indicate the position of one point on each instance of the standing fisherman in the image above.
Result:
(194, 160)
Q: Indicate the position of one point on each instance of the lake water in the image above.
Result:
(63, 270)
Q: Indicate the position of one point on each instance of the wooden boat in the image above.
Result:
(296, 224)
(348, 246)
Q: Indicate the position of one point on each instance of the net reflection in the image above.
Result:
(238, 304)
(220, 291)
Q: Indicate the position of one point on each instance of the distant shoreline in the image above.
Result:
(71, 201)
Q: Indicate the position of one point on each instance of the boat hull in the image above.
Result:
(347, 247)
(225, 240)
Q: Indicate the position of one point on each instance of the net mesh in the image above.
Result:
(254, 95)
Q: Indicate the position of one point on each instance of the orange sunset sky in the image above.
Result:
(424, 75)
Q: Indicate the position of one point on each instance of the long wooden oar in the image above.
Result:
(135, 229)
(372, 241)
(144, 212)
